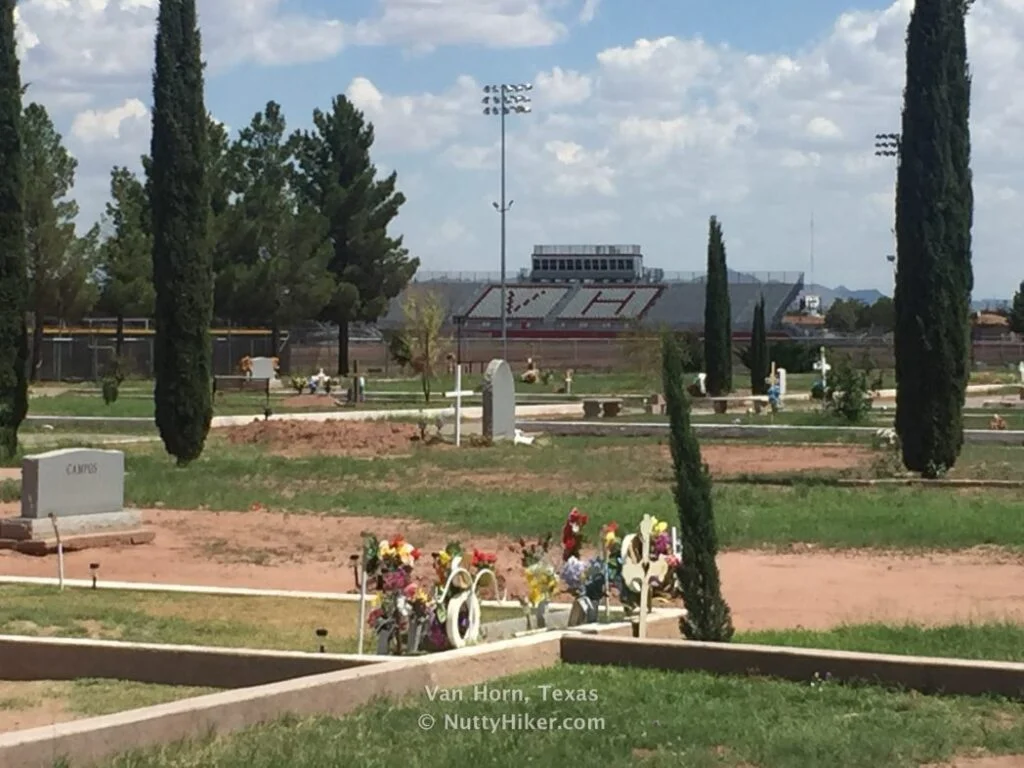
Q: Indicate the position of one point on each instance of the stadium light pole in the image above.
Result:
(502, 100)
(889, 145)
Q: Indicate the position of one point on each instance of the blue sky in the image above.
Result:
(649, 117)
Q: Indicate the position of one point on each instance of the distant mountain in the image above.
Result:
(829, 295)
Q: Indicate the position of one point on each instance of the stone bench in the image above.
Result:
(608, 407)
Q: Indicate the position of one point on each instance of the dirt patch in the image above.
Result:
(10, 473)
(30, 704)
(984, 761)
(724, 459)
(808, 588)
(329, 438)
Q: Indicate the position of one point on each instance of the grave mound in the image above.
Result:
(334, 438)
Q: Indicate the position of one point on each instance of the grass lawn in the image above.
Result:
(286, 624)
(89, 698)
(692, 720)
(523, 492)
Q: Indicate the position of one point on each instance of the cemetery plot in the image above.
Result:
(694, 719)
(31, 704)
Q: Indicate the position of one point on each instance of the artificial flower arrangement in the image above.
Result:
(541, 579)
(581, 578)
(596, 578)
(401, 607)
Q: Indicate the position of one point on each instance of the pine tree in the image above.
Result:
(717, 316)
(760, 362)
(338, 179)
(182, 272)
(709, 618)
(1017, 311)
(934, 212)
(13, 283)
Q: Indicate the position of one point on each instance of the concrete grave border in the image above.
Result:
(88, 741)
(918, 673)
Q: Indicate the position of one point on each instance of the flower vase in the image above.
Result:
(539, 614)
(385, 631)
(584, 611)
(417, 633)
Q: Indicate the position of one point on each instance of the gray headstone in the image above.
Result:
(263, 368)
(72, 481)
(499, 392)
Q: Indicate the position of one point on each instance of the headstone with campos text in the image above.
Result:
(499, 395)
(83, 488)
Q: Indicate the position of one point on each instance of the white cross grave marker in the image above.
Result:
(821, 365)
(458, 394)
(638, 574)
(1020, 369)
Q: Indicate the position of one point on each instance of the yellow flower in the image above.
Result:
(383, 550)
(420, 596)
(445, 559)
(660, 526)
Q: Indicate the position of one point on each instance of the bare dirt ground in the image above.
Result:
(329, 438)
(29, 705)
(806, 588)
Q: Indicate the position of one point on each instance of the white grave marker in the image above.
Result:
(638, 574)
(458, 394)
(821, 365)
(1020, 370)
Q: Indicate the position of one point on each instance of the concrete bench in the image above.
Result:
(609, 407)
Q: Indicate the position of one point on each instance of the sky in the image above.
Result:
(648, 116)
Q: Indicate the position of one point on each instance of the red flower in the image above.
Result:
(415, 553)
(572, 534)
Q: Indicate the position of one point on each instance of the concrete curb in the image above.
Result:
(918, 673)
(738, 431)
(894, 482)
(89, 741)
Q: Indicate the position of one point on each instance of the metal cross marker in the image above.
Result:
(458, 394)
(638, 575)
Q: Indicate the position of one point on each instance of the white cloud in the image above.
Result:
(561, 87)
(589, 11)
(492, 23)
(98, 125)
(77, 51)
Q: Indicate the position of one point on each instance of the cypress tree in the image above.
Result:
(934, 212)
(760, 363)
(717, 316)
(1017, 311)
(709, 618)
(13, 278)
(182, 271)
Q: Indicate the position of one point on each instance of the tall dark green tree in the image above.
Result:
(275, 247)
(179, 201)
(934, 214)
(760, 361)
(709, 618)
(13, 283)
(338, 179)
(717, 316)
(1017, 311)
(125, 273)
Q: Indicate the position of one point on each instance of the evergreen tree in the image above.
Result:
(126, 256)
(934, 212)
(13, 284)
(59, 264)
(1017, 311)
(275, 247)
(717, 316)
(180, 203)
(760, 362)
(709, 618)
(338, 179)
